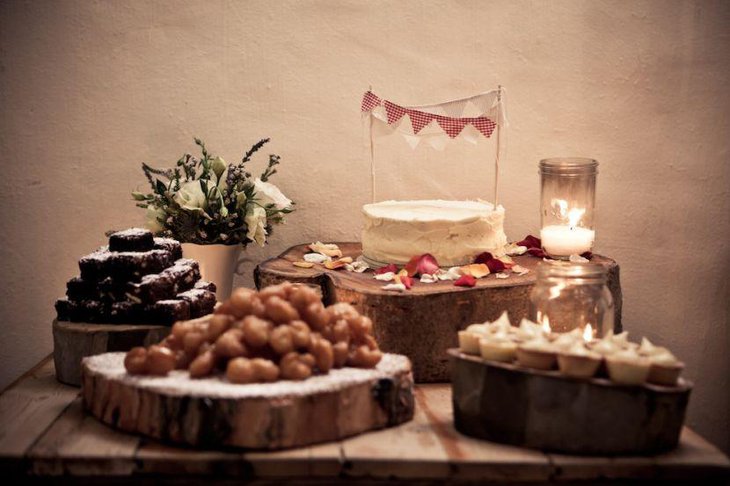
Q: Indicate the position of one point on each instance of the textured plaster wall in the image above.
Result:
(89, 89)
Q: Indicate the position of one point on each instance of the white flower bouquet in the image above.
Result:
(207, 201)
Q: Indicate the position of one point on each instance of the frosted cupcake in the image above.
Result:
(469, 338)
(578, 361)
(527, 331)
(626, 367)
(537, 353)
(665, 367)
(566, 340)
(498, 347)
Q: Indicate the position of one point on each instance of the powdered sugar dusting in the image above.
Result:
(178, 382)
(132, 232)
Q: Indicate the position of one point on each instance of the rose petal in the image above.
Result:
(476, 270)
(575, 258)
(587, 255)
(483, 257)
(530, 242)
(508, 262)
(452, 273)
(513, 249)
(502, 275)
(357, 266)
(466, 281)
(520, 270)
(315, 258)
(422, 265)
(334, 264)
(405, 280)
(303, 264)
(328, 249)
(395, 286)
(495, 266)
(384, 277)
(389, 268)
(537, 252)
(429, 278)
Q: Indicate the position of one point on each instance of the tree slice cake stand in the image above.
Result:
(421, 323)
(545, 410)
(213, 413)
(73, 341)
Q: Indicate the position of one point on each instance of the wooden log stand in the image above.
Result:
(545, 410)
(212, 412)
(73, 341)
(421, 323)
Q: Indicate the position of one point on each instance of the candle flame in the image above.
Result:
(588, 333)
(560, 208)
(546, 325)
(574, 216)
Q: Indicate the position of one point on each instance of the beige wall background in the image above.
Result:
(89, 89)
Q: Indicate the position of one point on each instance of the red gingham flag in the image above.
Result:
(452, 126)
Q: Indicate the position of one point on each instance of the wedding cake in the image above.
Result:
(454, 232)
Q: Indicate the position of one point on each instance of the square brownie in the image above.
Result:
(132, 239)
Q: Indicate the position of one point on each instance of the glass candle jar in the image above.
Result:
(567, 296)
(568, 196)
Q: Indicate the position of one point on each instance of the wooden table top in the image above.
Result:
(44, 432)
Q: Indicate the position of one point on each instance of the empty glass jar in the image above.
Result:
(567, 296)
(568, 195)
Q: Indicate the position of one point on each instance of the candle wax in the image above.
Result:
(563, 240)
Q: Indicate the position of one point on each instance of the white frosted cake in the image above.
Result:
(454, 232)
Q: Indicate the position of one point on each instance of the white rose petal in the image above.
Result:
(316, 258)
(395, 286)
(575, 258)
(191, 196)
(502, 275)
(385, 277)
(427, 278)
(256, 222)
(267, 193)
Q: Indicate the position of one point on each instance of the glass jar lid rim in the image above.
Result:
(571, 270)
(569, 165)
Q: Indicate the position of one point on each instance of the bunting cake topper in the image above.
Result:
(470, 119)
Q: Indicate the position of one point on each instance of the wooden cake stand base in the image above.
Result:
(211, 412)
(73, 341)
(421, 323)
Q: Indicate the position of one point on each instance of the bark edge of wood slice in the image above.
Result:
(422, 323)
(212, 413)
(73, 341)
(544, 410)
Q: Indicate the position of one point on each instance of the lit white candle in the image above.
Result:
(568, 239)
(564, 240)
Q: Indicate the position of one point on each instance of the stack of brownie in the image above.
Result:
(137, 279)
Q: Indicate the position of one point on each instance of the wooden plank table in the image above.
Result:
(45, 435)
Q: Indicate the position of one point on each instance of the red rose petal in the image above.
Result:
(495, 266)
(530, 242)
(483, 257)
(388, 268)
(587, 255)
(406, 281)
(424, 264)
(537, 252)
(466, 281)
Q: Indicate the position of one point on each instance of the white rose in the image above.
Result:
(191, 196)
(218, 165)
(267, 193)
(152, 219)
(256, 222)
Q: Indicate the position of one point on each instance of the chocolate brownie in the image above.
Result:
(169, 311)
(205, 285)
(129, 266)
(201, 301)
(81, 311)
(173, 246)
(63, 309)
(132, 239)
(127, 312)
(166, 284)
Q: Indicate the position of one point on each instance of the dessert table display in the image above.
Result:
(47, 435)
